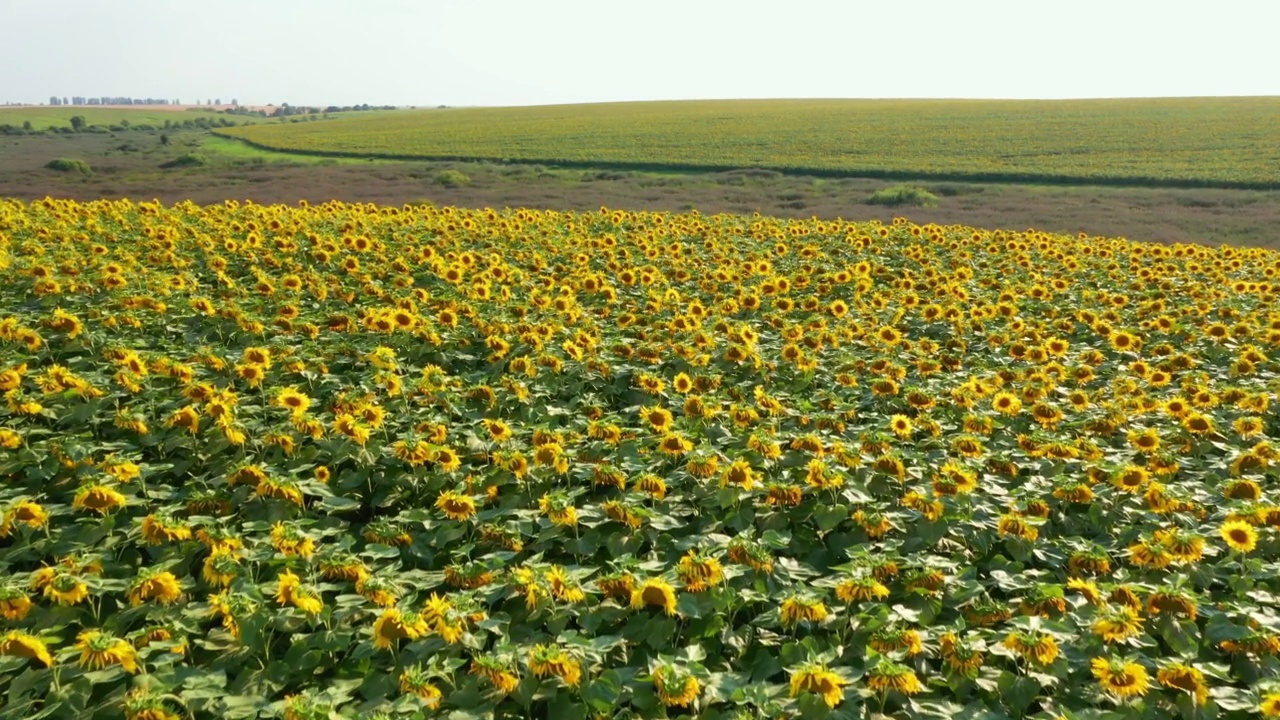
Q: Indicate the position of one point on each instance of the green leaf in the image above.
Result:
(1018, 692)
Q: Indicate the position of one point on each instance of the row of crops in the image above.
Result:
(378, 462)
(1227, 142)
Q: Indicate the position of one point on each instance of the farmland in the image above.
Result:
(43, 118)
(129, 165)
(371, 461)
(1217, 142)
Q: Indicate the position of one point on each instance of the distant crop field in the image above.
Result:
(42, 118)
(1226, 142)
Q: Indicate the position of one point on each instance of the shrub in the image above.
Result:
(188, 160)
(453, 178)
(903, 195)
(68, 165)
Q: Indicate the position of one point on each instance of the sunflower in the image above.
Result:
(1086, 588)
(780, 495)
(496, 671)
(1185, 546)
(954, 478)
(415, 681)
(658, 418)
(891, 640)
(455, 505)
(1248, 490)
(29, 513)
(888, 675)
(674, 444)
(682, 383)
(63, 588)
(1120, 678)
(1270, 705)
(1015, 526)
(348, 425)
(746, 552)
(1006, 403)
(222, 566)
(861, 588)
(19, 644)
(739, 474)
(101, 499)
(392, 626)
(818, 680)
(651, 485)
(901, 426)
(1198, 424)
(1035, 646)
(549, 660)
(291, 542)
(161, 587)
(186, 417)
(699, 572)
(563, 587)
(291, 591)
(99, 649)
(293, 400)
(618, 585)
(498, 430)
(1240, 536)
(468, 576)
(14, 603)
(559, 509)
(159, 529)
(143, 705)
(10, 439)
(960, 657)
(1130, 478)
(446, 459)
(655, 592)
(1185, 678)
(795, 610)
(1117, 624)
(675, 687)
(551, 454)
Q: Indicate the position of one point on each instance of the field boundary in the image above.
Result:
(870, 173)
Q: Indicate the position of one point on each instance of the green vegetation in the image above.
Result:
(187, 160)
(39, 119)
(453, 178)
(903, 195)
(69, 165)
(1229, 142)
(216, 147)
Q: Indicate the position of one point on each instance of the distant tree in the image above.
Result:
(27, 126)
(218, 101)
(65, 101)
(164, 139)
(55, 101)
(235, 102)
(78, 122)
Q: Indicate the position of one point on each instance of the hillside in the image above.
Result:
(1224, 142)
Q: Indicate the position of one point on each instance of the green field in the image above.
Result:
(42, 118)
(1226, 142)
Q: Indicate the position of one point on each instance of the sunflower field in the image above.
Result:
(1190, 142)
(351, 461)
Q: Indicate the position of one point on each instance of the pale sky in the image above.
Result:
(521, 52)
